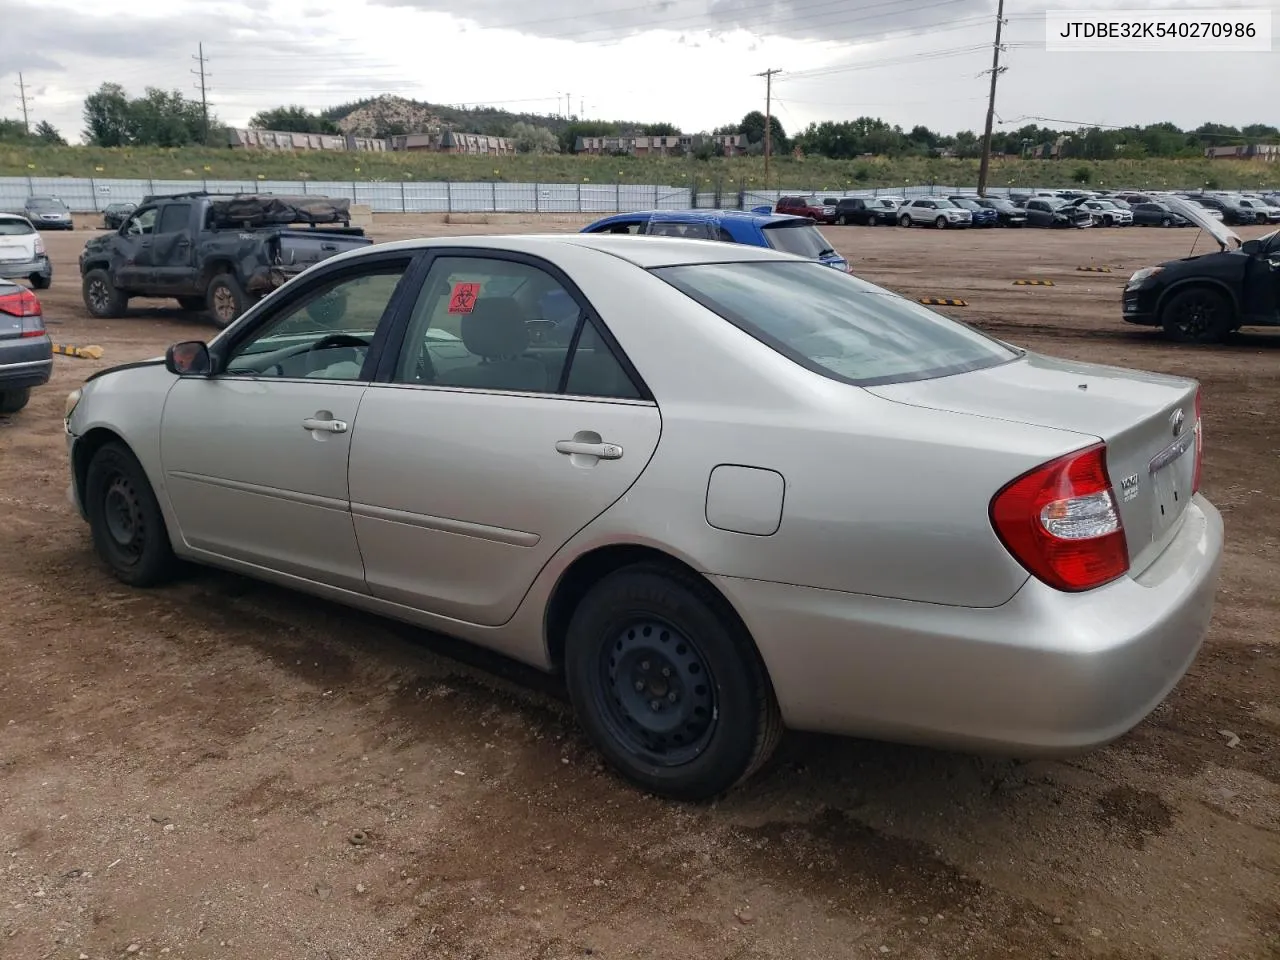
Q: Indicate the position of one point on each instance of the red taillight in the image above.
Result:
(1195, 477)
(26, 305)
(1061, 522)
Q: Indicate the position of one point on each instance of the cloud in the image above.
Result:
(588, 20)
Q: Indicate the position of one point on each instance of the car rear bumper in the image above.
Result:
(24, 373)
(14, 269)
(1046, 673)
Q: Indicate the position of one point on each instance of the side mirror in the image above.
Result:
(1251, 247)
(189, 359)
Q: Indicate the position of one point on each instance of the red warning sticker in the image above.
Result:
(463, 299)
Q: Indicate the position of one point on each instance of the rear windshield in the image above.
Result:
(802, 239)
(834, 324)
(15, 228)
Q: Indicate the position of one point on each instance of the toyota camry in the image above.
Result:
(722, 489)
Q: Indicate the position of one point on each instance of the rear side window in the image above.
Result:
(835, 324)
(15, 228)
(173, 218)
(802, 239)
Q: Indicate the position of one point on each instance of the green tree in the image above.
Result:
(107, 117)
(660, 130)
(293, 119)
(752, 126)
(13, 131)
(48, 134)
(585, 128)
(533, 139)
(162, 118)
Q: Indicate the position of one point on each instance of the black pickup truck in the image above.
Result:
(214, 252)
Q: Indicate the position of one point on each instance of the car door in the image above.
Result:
(255, 456)
(134, 267)
(1039, 213)
(478, 455)
(1262, 283)
(171, 250)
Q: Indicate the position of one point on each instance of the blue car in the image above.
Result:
(982, 216)
(778, 231)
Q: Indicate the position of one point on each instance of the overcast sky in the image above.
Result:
(690, 62)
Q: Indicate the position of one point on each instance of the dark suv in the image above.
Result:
(866, 211)
(810, 207)
(1232, 212)
(1202, 299)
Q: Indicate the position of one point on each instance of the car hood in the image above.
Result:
(1226, 237)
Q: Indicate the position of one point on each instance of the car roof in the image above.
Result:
(643, 251)
(710, 216)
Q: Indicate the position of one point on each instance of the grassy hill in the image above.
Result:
(727, 174)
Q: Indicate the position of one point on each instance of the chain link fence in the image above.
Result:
(92, 195)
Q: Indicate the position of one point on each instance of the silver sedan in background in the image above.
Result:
(723, 489)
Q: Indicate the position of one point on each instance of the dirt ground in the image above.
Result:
(226, 769)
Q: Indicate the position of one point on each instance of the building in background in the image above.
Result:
(1266, 152)
(730, 144)
(437, 141)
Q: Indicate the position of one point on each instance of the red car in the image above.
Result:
(822, 212)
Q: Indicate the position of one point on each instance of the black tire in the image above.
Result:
(193, 304)
(225, 299)
(1197, 315)
(941, 223)
(904, 220)
(101, 297)
(40, 282)
(644, 635)
(11, 401)
(128, 529)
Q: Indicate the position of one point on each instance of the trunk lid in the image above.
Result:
(1147, 421)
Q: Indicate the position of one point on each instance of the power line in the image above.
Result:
(201, 59)
(985, 166)
(24, 100)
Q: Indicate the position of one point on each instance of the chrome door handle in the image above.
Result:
(605, 451)
(328, 426)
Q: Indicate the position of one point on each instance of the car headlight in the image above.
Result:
(1144, 274)
(73, 398)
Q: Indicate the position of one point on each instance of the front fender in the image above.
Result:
(126, 402)
(1201, 281)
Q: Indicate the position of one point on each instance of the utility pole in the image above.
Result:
(768, 118)
(985, 167)
(568, 106)
(201, 59)
(23, 99)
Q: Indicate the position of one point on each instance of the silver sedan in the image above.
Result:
(721, 488)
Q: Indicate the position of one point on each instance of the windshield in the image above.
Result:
(46, 206)
(942, 203)
(888, 203)
(837, 325)
(15, 228)
(967, 204)
(802, 239)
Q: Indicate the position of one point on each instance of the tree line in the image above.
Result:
(162, 118)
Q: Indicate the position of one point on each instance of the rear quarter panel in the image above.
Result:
(879, 498)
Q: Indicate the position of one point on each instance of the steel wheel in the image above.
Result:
(124, 518)
(660, 697)
(128, 528)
